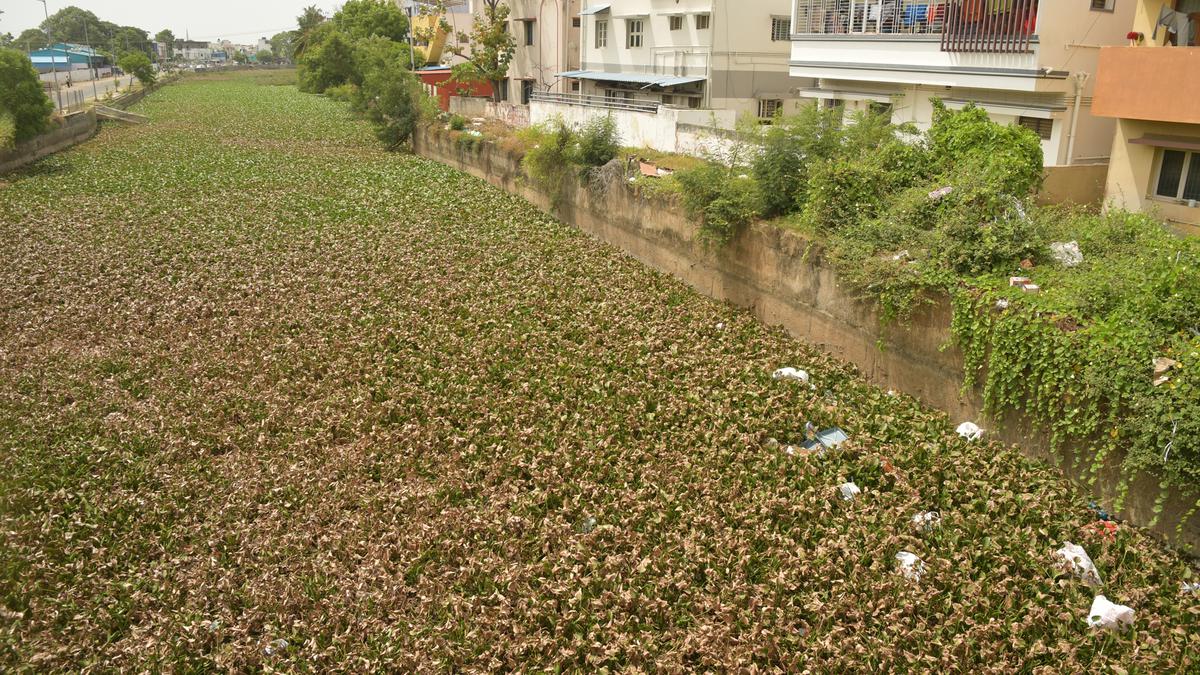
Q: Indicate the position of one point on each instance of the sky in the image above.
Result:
(235, 20)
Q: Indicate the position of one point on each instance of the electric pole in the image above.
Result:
(53, 58)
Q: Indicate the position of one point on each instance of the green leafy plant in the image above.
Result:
(24, 107)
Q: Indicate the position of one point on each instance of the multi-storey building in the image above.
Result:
(1026, 62)
(547, 44)
(687, 53)
(1152, 89)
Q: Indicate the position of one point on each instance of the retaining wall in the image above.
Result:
(76, 128)
(782, 278)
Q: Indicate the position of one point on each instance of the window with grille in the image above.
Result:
(1044, 128)
(831, 103)
(575, 22)
(702, 21)
(601, 34)
(1178, 175)
(675, 22)
(526, 91)
(633, 33)
(694, 102)
(1104, 5)
(880, 108)
(767, 108)
(529, 31)
(667, 99)
(781, 28)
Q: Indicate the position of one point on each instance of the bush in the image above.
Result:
(722, 201)
(549, 160)
(789, 147)
(346, 93)
(394, 102)
(327, 62)
(966, 138)
(24, 108)
(843, 191)
(599, 142)
(458, 122)
(139, 65)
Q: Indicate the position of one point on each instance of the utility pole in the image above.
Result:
(91, 61)
(53, 58)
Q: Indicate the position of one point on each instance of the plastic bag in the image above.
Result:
(1109, 616)
(849, 491)
(1066, 253)
(969, 431)
(927, 521)
(1080, 563)
(910, 565)
(791, 374)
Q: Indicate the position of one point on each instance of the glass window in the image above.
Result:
(1044, 128)
(781, 28)
(702, 22)
(529, 32)
(633, 33)
(676, 22)
(601, 34)
(1191, 186)
(1169, 172)
(768, 107)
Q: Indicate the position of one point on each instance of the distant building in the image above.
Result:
(193, 51)
(65, 56)
(435, 80)
(264, 45)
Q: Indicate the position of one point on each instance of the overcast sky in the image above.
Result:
(236, 20)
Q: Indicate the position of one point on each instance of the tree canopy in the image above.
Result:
(24, 108)
(137, 63)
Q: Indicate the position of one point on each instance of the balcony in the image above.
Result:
(599, 102)
(971, 26)
(1149, 83)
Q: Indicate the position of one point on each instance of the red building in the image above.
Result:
(435, 80)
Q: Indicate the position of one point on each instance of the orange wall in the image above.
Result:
(1144, 83)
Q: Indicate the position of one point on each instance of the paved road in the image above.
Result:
(80, 92)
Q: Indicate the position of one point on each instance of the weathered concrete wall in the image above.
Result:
(1081, 184)
(782, 278)
(75, 129)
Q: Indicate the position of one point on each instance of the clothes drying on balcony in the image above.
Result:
(645, 79)
(1178, 24)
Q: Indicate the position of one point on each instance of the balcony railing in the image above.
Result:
(605, 102)
(991, 26)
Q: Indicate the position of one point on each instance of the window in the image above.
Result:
(675, 22)
(529, 25)
(767, 108)
(575, 22)
(1178, 175)
(1104, 5)
(1044, 128)
(831, 103)
(694, 102)
(503, 90)
(575, 85)
(702, 22)
(781, 28)
(601, 34)
(633, 33)
(667, 99)
(880, 108)
(526, 91)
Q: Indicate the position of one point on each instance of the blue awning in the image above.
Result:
(594, 9)
(645, 79)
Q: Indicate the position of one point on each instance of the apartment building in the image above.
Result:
(1151, 89)
(547, 44)
(426, 18)
(1027, 62)
(687, 53)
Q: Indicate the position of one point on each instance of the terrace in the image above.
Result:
(979, 26)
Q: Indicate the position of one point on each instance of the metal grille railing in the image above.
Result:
(868, 17)
(990, 26)
(588, 101)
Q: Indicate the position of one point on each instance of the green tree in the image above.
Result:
(131, 38)
(491, 47)
(6, 40)
(24, 108)
(240, 57)
(368, 18)
(31, 39)
(328, 61)
(166, 37)
(390, 95)
(264, 56)
(137, 63)
(283, 44)
(309, 21)
(72, 24)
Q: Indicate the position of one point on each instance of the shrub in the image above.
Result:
(346, 93)
(843, 191)
(723, 202)
(788, 148)
(967, 138)
(599, 141)
(24, 108)
(394, 102)
(327, 62)
(458, 122)
(549, 158)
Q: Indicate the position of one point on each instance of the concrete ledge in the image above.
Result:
(783, 279)
(75, 129)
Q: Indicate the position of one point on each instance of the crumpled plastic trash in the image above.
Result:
(275, 646)
(969, 431)
(1192, 587)
(790, 374)
(927, 521)
(1109, 616)
(1002, 303)
(1066, 253)
(588, 525)
(937, 194)
(1080, 563)
(910, 565)
(849, 491)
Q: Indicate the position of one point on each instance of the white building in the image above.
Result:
(1024, 61)
(688, 53)
(547, 44)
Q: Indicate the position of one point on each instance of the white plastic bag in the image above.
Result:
(849, 491)
(910, 565)
(1080, 563)
(969, 431)
(926, 521)
(1108, 616)
(1066, 253)
(791, 374)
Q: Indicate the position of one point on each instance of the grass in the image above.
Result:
(273, 398)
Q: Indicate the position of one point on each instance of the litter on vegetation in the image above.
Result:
(1080, 563)
(1192, 587)
(791, 374)
(1019, 281)
(849, 491)
(276, 646)
(927, 521)
(1162, 366)
(969, 431)
(1031, 288)
(937, 194)
(1066, 253)
(910, 565)
(1002, 303)
(1108, 616)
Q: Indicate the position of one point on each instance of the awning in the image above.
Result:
(1040, 111)
(644, 79)
(845, 95)
(594, 9)
(1169, 142)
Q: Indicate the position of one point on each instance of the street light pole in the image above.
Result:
(53, 58)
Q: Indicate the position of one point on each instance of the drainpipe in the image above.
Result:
(1080, 79)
